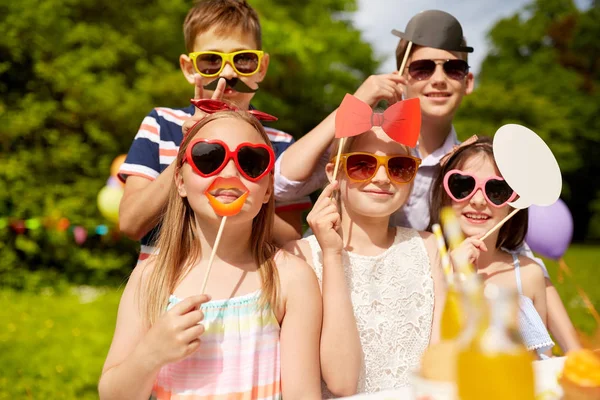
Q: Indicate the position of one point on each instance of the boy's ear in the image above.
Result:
(469, 83)
(179, 182)
(187, 67)
(264, 66)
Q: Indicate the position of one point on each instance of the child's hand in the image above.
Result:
(469, 250)
(381, 87)
(177, 333)
(198, 94)
(324, 220)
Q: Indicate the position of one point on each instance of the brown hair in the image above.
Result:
(513, 232)
(178, 244)
(403, 44)
(224, 15)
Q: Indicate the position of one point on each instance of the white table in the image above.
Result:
(546, 385)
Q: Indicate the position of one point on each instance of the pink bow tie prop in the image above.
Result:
(401, 121)
(211, 106)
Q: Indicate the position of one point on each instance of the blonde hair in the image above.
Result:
(178, 237)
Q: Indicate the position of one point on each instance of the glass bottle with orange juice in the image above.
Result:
(453, 316)
(495, 365)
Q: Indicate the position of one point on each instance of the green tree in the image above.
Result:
(78, 76)
(543, 71)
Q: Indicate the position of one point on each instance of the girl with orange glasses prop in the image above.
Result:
(382, 286)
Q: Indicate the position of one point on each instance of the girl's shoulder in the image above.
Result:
(428, 239)
(409, 233)
(292, 267)
(295, 274)
(530, 270)
(300, 248)
(307, 249)
(141, 273)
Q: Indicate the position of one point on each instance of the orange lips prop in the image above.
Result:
(226, 209)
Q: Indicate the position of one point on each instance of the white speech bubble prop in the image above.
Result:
(527, 164)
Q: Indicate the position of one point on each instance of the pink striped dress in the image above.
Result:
(237, 360)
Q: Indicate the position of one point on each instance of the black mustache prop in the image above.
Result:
(233, 83)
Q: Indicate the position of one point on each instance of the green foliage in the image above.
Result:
(78, 76)
(543, 71)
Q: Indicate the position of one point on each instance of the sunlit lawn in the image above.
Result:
(52, 346)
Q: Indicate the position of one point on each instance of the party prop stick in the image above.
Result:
(455, 238)
(499, 224)
(528, 166)
(338, 157)
(406, 53)
(213, 253)
(223, 209)
(437, 231)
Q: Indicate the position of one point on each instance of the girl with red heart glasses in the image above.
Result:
(469, 182)
(382, 286)
(209, 157)
(261, 313)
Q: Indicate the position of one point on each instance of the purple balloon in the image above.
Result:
(550, 229)
(114, 182)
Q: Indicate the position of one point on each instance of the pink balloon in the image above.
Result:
(550, 229)
(80, 234)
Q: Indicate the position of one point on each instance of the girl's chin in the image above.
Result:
(379, 212)
(470, 230)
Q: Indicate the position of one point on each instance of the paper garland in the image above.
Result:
(80, 233)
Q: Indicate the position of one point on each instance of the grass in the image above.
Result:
(53, 345)
(584, 263)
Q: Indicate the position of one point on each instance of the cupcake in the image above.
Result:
(580, 378)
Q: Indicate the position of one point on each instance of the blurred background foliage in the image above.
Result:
(78, 76)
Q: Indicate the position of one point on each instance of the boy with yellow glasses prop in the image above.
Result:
(210, 63)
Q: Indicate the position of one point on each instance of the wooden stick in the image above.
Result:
(339, 156)
(214, 252)
(499, 224)
(406, 53)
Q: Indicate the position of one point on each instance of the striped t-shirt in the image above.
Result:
(239, 358)
(156, 144)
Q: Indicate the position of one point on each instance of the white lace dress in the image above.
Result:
(392, 296)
